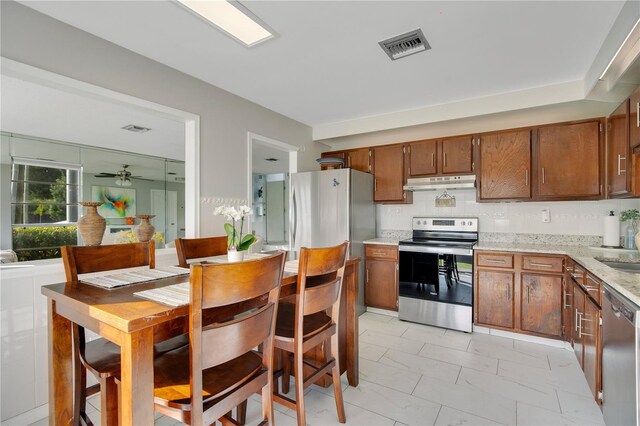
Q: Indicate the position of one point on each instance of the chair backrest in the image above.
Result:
(320, 273)
(196, 248)
(87, 259)
(217, 285)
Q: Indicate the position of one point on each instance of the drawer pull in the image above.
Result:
(590, 288)
(378, 253)
(577, 276)
(541, 265)
(575, 319)
(564, 299)
(498, 261)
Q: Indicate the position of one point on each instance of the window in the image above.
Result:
(44, 207)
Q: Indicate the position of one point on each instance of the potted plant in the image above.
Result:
(237, 244)
(632, 215)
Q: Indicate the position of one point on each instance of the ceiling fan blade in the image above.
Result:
(141, 178)
(105, 175)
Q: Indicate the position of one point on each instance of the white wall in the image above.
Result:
(567, 217)
(225, 118)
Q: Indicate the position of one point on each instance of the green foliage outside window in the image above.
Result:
(33, 243)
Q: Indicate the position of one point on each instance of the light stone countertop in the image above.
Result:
(388, 241)
(626, 284)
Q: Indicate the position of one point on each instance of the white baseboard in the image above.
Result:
(28, 417)
(382, 312)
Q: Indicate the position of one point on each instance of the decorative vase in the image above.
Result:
(638, 241)
(145, 230)
(92, 225)
(235, 256)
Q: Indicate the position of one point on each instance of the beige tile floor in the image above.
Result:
(412, 374)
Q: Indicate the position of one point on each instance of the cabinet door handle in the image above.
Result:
(543, 175)
(541, 265)
(564, 300)
(575, 319)
(508, 292)
(528, 292)
(567, 268)
(620, 158)
(498, 261)
(581, 333)
(444, 159)
(433, 159)
(637, 114)
(579, 324)
(367, 275)
(526, 177)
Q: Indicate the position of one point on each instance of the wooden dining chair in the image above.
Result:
(220, 369)
(306, 325)
(102, 357)
(197, 248)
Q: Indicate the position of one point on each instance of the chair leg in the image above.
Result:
(241, 413)
(267, 405)
(286, 371)
(108, 401)
(332, 348)
(299, 380)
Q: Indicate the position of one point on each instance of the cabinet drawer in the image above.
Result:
(495, 260)
(594, 288)
(578, 274)
(372, 251)
(542, 263)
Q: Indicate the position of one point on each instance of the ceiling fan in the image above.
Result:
(123, 177)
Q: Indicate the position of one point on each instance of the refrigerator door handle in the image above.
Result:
(295, 219)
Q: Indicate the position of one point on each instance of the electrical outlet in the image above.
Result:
(546, 216)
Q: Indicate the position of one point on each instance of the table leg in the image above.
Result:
(60, 368)
(136, 387)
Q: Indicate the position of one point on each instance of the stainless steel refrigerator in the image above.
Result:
(329, 207)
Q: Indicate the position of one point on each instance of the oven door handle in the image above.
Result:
(435, 250)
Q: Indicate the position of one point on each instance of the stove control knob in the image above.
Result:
(463, 223)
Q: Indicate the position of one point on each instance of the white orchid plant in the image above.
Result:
(235, 240)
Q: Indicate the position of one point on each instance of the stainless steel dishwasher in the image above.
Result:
(620, 345)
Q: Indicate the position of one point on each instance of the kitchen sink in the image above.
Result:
(632, 268)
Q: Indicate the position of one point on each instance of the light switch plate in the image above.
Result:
(546, 216)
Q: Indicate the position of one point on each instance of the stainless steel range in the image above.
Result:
(436, 272)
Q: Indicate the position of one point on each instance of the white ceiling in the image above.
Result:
(36, 110)
(260, 152)
(326, 67)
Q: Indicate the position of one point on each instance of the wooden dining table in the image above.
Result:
(135, 324)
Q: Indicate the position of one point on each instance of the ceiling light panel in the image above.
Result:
(232, 18)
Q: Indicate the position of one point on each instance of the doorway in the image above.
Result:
(270, 163)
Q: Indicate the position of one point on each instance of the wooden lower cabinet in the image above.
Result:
(592, 344)
(511, 294)
(381, 277)
(494, 298)
(540, 304)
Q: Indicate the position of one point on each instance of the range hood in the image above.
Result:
(441, 182)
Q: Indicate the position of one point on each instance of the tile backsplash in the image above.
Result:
(567, 217)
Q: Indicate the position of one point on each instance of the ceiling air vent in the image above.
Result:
(271, 159)
(137, 129)
(405, 44)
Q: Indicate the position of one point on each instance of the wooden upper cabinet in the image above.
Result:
(423, 158)
(618, 152)
(504, 166)
(389, 171)
(568, 161)
(634, 118)
(359, 159)
(457, 155)
(334, 154)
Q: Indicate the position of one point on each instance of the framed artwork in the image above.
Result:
(117, 202)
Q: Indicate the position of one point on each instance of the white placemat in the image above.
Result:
(224, 259)
(172, 295)
(291, 266)
(133, 276)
